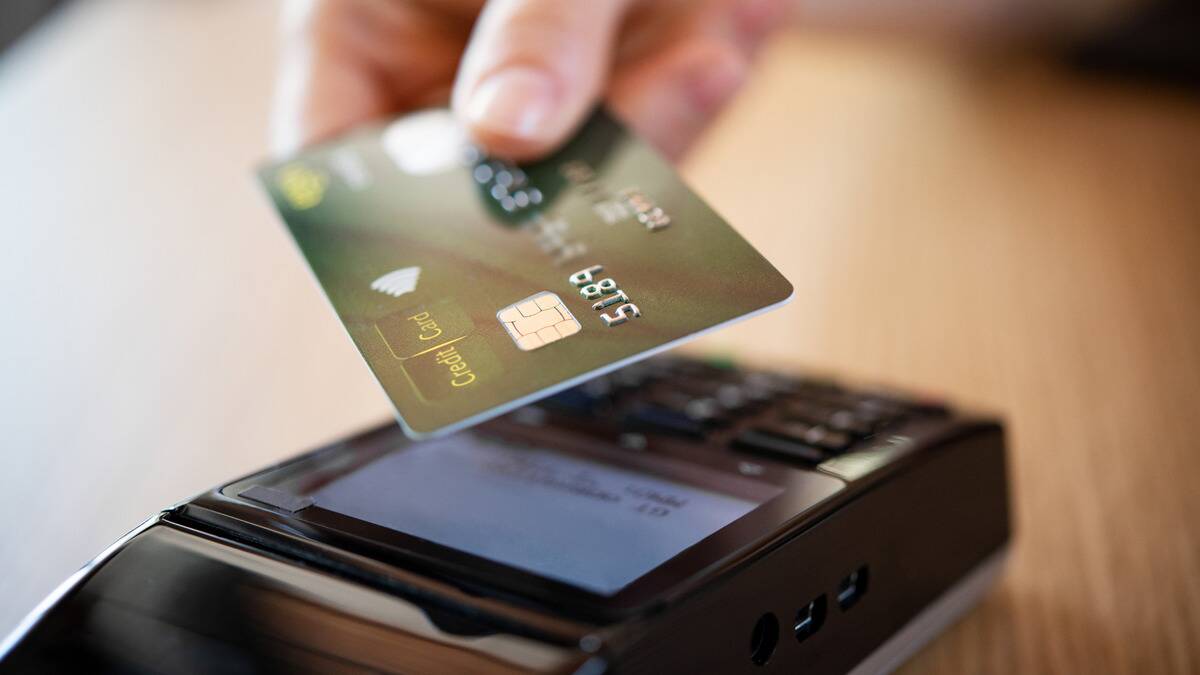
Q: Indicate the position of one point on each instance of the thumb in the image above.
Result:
(533, 70)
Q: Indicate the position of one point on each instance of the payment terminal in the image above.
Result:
(676, 515)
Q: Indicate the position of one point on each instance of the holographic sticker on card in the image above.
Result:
(472, 286)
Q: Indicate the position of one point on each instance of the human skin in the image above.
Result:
(521, 75)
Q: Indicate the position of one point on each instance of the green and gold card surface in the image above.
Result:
(472, 286)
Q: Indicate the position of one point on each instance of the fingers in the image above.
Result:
(316, 99)
(531, 73)
(671, 97)
(533, 70)
(670, 94)
(345, 62)
(310, 77)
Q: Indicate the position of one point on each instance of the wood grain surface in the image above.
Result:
(1023, 240)
(997, 231)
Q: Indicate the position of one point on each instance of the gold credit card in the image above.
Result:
(472, 286)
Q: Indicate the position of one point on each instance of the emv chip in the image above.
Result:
(538, 320)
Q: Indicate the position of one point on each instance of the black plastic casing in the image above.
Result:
(224, 584)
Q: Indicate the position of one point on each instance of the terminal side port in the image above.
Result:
(763, 639)
(810, 618)
(853, 587)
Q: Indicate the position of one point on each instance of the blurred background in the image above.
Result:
(996, 202)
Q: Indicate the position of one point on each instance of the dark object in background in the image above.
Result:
(18, 16)
(1160, 42)
(674, 516)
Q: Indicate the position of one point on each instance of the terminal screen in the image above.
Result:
(586, 523)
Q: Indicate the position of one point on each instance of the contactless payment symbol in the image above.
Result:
(398, 283)
(538, 320)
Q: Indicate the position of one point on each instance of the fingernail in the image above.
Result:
(514, 102)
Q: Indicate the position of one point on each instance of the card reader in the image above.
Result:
(674, 516)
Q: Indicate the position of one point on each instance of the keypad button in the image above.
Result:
(760, 442)
(728, 395)
(879, 408)
(816, 435)
(590, 398)
(799, 419)
(851, 422)
(653, 418)
(771, 384)
(813, 412)
(816, 386)
(636, 376)
(704, 409)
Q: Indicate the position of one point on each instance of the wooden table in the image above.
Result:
(1026, 241)
(1001, 233)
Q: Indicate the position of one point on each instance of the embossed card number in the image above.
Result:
(606, 293)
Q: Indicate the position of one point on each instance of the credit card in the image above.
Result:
(472, 286)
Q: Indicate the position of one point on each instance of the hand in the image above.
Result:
(521, 75)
